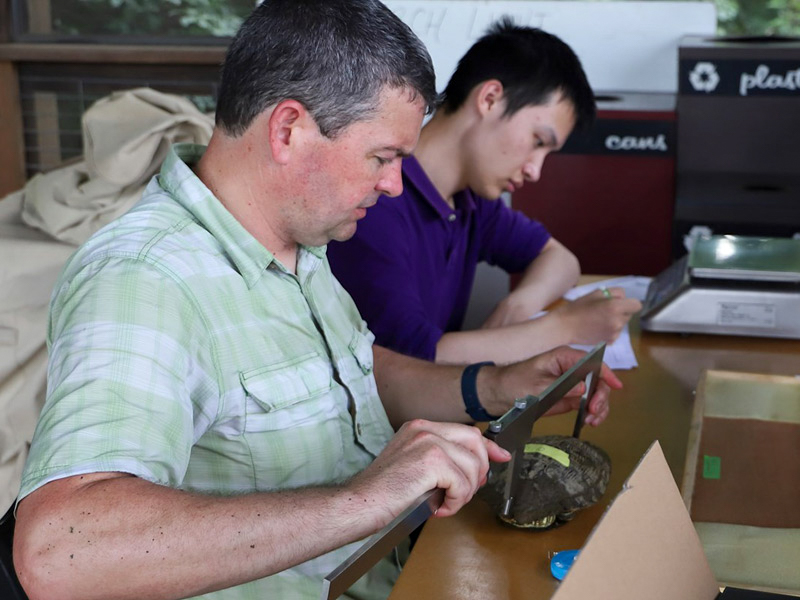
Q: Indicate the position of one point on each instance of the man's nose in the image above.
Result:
(391, 181)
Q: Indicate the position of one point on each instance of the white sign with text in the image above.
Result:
(624, 46)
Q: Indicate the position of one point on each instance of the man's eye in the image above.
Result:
(384, 161)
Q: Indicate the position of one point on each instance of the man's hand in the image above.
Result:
(422, 456)
(498, 387)
(597, 317)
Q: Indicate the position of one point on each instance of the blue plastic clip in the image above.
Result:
(561, 562)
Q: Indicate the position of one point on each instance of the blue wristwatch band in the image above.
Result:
(469, 393)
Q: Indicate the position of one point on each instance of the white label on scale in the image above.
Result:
(745, 314)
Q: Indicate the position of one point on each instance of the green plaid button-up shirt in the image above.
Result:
(183, 352)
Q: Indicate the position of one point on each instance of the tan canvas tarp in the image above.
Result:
(126, 136)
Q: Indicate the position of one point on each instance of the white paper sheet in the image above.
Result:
(635, 287)
(618, 355)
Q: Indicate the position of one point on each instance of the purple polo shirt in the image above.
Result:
(411, 264)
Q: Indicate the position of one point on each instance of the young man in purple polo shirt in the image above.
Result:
(515, 96)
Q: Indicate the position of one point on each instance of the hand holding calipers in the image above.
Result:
(511, 431)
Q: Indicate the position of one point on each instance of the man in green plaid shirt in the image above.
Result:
(218, 423)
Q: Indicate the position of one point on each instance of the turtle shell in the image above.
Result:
(559, 475)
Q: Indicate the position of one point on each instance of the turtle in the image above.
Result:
(559, 476)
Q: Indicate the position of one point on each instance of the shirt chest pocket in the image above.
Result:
(295, 415)
(356, 366)
(287, 393)
(360, 347)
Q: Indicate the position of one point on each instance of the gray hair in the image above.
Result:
(332, 56)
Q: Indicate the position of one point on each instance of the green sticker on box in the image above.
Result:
(556, 454)
(712, 465)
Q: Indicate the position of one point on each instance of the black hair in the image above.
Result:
(332, 56)
(530, 63)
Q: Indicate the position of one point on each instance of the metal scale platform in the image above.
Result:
(729, 285)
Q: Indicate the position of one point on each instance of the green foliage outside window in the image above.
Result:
(758, 17)
(149, 17)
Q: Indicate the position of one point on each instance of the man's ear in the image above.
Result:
(284, 125)
(489, 96)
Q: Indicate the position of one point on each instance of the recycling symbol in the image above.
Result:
(704, 77)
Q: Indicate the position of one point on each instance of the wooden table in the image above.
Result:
(471, 556)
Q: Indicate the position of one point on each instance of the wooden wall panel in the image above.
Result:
(12, 162)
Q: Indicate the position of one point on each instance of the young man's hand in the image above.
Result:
(597, 317)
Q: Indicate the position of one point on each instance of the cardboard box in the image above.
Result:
(645, 546)
(741, 481)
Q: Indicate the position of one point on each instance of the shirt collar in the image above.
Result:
(415, 177)
(246, 253)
